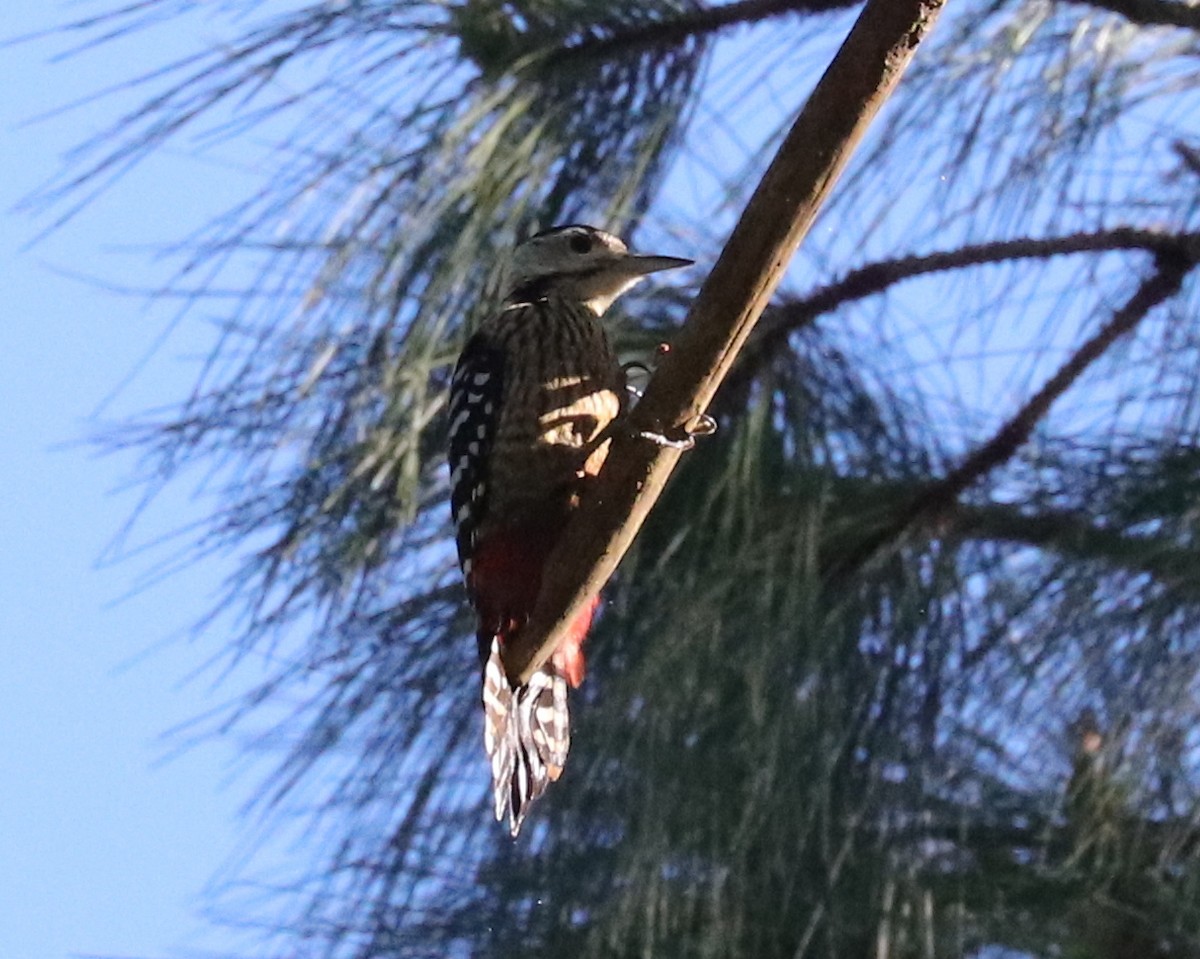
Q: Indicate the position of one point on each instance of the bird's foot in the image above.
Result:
(681, 437)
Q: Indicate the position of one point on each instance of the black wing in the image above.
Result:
(475, 392)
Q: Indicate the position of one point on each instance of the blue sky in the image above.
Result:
(105, 849)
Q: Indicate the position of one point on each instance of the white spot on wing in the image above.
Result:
(458, 422)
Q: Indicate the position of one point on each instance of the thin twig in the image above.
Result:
(1071, 533)
(875, 278)
(695, 23)
(857, 83)
(1067, 532)
(928, 506)
(1153, 13)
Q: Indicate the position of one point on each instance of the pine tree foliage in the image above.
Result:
(840, 706)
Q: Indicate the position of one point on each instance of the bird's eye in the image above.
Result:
(581, 243)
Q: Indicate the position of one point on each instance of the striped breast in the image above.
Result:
(562, 387)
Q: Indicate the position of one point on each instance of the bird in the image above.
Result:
(534, 398)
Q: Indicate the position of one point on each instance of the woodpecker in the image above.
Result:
(533, 399)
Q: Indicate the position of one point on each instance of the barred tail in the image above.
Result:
(526, 733)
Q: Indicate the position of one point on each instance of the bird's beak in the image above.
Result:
(637, 265)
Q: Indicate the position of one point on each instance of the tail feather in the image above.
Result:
(526, 734)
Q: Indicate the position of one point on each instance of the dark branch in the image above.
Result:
(698, 23)
(1071, 533)
(875, 278)
(931, 505)
(1151, 13)
(857, 83)
(1067, 532)
(1188, 155)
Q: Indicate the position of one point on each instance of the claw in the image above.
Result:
(705, 425)
(685, 442)
(634, 366)
(682, 438)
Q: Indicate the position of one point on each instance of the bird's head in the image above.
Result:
(581, 263)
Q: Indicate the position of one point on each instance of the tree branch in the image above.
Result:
(1151, 13)
(696, 23)
(930, 505)
(1072, 533)
(1068, 532)
(857, 83)
(874, 278)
